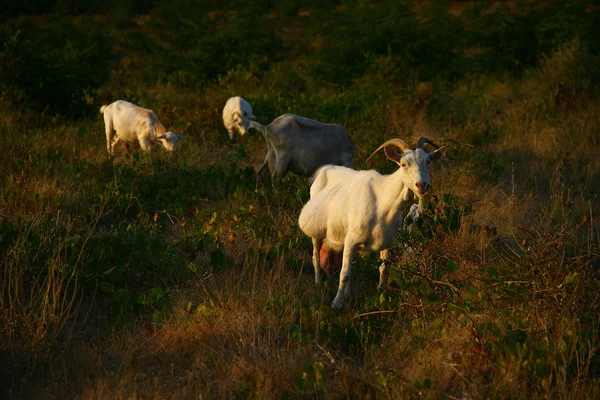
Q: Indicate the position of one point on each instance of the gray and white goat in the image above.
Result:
(237, 115)
(350, 210)
(302, 145)
(127, 122)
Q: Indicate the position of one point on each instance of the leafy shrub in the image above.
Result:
(74, 7)
(354, 36)
(439, 44)
(248, 35)
(571, 68)
(56, 68)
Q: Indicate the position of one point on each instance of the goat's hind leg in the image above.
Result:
(108, 128)
(114, 144)
(280, 167)
(317, 243)
(260, 175)
(268, 165)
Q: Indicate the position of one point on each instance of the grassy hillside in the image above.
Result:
(155, 275)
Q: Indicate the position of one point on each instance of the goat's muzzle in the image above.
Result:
(422, 189)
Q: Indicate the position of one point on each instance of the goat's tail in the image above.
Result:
(257, 126)
(102, 109)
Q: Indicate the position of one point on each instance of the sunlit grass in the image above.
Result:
(148, 275)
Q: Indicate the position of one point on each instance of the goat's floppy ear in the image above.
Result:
(392, 154)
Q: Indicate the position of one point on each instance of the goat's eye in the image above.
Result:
(404, 165)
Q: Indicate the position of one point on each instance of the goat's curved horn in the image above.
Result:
(422, 140)
(401, 144)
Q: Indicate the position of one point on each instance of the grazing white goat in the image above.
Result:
(302, 145)
(351, 210)
(133, 123)
(237, 115)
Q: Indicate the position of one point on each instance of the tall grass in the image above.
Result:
(167, 275)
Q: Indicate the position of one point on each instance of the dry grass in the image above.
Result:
(502, 304)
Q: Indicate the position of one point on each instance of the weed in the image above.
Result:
(167, 275)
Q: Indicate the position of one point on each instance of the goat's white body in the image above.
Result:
(361, 209)
(237, 115)
(351, 209)
(354, 210)
(302, 145)
(127, 122)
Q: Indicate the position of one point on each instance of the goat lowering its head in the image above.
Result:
(350, 210)
(237, 115)
(127, 122)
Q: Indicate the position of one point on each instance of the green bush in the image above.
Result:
(54, 68)
(74, 7)
(196, 40)
(571, 68)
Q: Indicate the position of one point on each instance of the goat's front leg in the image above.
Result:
(384, 271)
(145, 144)
(316, 259)
(344, 287)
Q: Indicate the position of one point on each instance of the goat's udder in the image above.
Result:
(331, 261)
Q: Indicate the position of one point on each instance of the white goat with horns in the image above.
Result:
(131, 123)
(302, 145)
(350, 210)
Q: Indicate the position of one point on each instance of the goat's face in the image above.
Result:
(240, 121)
(244, 125)
(169, 140)
(415, 167)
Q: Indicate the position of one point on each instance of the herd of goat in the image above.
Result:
(348, 209)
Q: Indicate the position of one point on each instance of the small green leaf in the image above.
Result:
(571, 278)
(75, 239)
(106, 287)
(452, 266)
(156, 294)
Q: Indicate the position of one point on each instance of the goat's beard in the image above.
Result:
(331, 261)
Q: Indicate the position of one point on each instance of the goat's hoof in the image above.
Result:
(337, 304)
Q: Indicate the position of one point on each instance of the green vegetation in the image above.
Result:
(153, 275)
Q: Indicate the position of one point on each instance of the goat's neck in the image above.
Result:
(392, 194)
(160, 129)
